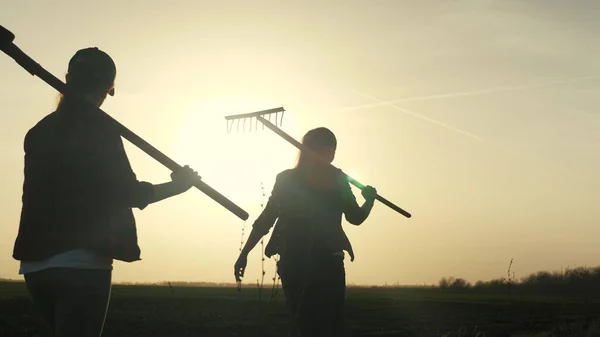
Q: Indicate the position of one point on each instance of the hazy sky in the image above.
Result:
(479, 117)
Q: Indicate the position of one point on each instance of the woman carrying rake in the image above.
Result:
(308, 202)
(78, 194)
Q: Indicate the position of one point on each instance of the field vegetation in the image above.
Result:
(561, 303)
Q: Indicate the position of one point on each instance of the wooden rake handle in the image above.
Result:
(8, 47)
(303, 148)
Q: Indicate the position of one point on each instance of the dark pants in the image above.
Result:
(72, 301)
(315, 292)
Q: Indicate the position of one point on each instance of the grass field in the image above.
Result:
(219, 311)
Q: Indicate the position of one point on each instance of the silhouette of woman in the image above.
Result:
(78, 193)
(308, 202)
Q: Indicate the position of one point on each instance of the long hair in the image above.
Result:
(314, 139)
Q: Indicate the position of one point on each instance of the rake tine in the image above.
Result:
(252, 115)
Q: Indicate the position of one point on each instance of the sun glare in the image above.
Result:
(235, 162)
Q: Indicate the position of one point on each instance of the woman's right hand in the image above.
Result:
(369, 193)
(240, 267)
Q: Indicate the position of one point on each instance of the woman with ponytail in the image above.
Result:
(308, 203)
(78, 193)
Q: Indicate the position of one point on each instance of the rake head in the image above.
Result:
(249, 118)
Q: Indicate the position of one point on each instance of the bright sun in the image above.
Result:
(234, 163)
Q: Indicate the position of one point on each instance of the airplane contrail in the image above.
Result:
(501, 147)
(431, 120)
(471, 92)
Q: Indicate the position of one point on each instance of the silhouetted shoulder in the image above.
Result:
(39, 130)
(284, 181)
(285, 174)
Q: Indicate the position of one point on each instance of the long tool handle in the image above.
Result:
(8, 47)
(303, 148)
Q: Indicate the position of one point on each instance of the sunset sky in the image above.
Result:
(481, 118)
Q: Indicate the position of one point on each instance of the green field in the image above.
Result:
(220, 311)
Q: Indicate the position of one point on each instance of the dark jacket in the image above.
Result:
(308, 219)
(78, 189)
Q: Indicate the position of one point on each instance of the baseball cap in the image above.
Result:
(93, 64)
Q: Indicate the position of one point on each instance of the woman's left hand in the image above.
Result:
(184, 178)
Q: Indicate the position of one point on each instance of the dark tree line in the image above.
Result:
(580, 282)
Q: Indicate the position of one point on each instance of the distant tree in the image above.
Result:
(445, 282)
(460, 283)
